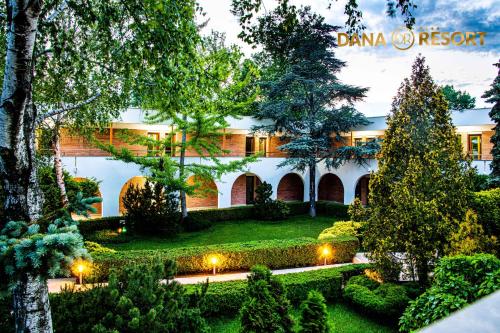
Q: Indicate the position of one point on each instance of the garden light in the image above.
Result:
(120, 230)
(214, 260)
(326, 252)
(81, 267)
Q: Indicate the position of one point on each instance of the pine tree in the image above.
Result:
(420, 192)
(313, 314)
(493, 96)
(457, 99)
(308, 104)
(266, 308)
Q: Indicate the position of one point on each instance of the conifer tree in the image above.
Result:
(308, 104)
(313, 314)
(493, 96)
(419, 194)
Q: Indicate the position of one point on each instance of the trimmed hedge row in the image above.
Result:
(226, 298)
(222, 214)
(275, 254)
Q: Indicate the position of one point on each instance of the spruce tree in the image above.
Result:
(419, 194)
(308, 104)
(313, 314)
(493, 96)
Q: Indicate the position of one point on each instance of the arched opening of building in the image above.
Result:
(330, 188)
(291, 188)
(243, 190)
(137, 181)
(362, 189)
(97, 205)
(205, 196)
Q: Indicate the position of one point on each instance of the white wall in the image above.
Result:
(113, 175)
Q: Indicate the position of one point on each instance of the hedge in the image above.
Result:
(299, 252)
(487, 206)
(222, 214)
(226, 298)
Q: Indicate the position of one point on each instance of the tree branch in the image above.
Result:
(58, 10)
(56, 112)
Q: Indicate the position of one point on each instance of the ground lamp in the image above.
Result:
(326, 252)
(214, 260)
(80, 268)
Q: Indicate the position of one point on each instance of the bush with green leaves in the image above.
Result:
(266, 208)
(385, 300)
(152, 208)
(96, 248)
(469, 238)
(133, 301)
(341, 228)
(313, 314)
(279, 253)
(486, 204)
(458, 281)
(357, 212)
(266, 308)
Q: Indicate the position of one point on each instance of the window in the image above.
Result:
(358, 142)
(249, 146)
(153, 150)
(262, 146)
(475, 146)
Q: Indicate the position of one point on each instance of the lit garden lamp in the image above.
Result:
(325, 253)
(214, 260)
(80, 268)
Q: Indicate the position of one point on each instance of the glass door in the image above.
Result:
(475, 146)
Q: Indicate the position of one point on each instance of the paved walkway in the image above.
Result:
(55, 285)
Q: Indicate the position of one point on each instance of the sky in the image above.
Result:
(383, 68)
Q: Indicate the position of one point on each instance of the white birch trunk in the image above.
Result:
(182, 161)
(56, 147)
(23, 199)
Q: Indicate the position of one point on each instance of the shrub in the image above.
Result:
(134, 301)
(224, 298)
(480, 182)
(96, 248)
(329, 208)
(152, 208)
(266, 308)
(192, 224)
(458, 281)
(266, 208)
(357, 212)
(341, 228)
(297, 252)
(88, 227)
(313, 314)
(110, 237)
(386, 300)
(469, 237)
(486, 204)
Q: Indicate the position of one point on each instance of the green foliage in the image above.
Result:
(134, 301)
(267, 208)
(96, 248)
(89, 226)
(480, 182)
(306, 102)
(329, 208)
(341, 228)
(469, 238)
(458, 281)
(266, 308)
(357, 212)
(313, 314)
(420, 192)
(457, 99)
(297, 252)
(486, 204)
(492, 95)
(385, 300)
(152, 209)
(52, 195)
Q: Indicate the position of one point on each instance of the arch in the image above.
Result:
(205, 196)
(362, 190)
(291, 188)
(243, 189)
(97, 205)
(136, 181)
(330, 188)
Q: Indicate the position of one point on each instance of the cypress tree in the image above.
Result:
(420, 192)
(493, 96)
(313, 315)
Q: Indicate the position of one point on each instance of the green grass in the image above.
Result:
(341, 318)
(235, 231)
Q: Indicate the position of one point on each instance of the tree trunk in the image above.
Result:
(56, 146)
(312, 190)
(182, 161)
(23, 198)
(31, 298)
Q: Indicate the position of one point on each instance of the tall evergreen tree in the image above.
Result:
(308, 104)
(493, 96)
(457, 99)
(419, 194)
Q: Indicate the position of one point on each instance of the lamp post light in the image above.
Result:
(81, 268)
(214, 261)
(325, 253)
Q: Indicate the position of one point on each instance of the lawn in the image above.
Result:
(341, 318)
(235, 231)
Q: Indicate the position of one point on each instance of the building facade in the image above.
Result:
(82, 160)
